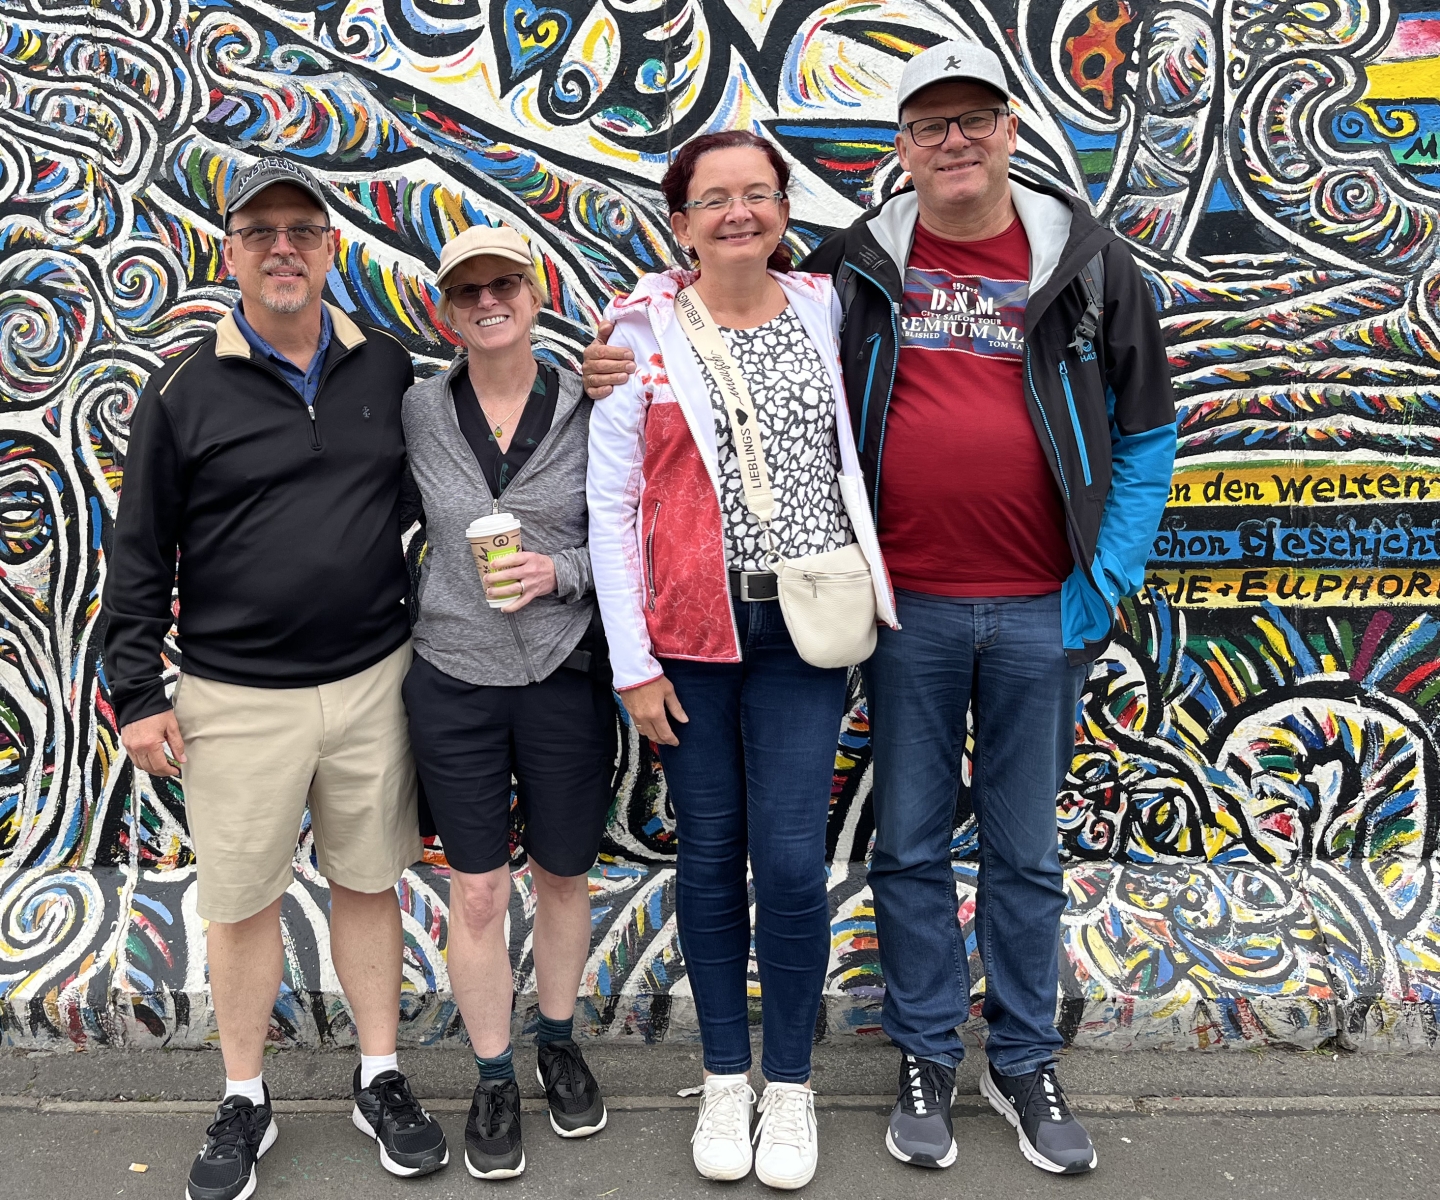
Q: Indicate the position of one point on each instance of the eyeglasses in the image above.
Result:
(303, 238)
(976, 126)
(502, 287)
(751, 200)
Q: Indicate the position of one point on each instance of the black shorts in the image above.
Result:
(557, 737)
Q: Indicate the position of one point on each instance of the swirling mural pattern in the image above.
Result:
(1251, 819)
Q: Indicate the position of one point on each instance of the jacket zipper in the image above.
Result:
(874, 340)
(650, 555)
(345, 351)
(319, 387)
(1074, 421)
(885, 413)
(1059, 466)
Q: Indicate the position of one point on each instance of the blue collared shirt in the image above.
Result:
(307, 382)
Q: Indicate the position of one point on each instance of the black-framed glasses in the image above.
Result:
(301, 237)
(751, 200)
(976, 125)
(502, 287)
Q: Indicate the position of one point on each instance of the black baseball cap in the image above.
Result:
(249, 182)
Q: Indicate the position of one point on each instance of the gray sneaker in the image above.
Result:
(920, 1130)
(1050, 1136)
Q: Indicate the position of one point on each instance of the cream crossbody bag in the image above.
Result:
(827, 600)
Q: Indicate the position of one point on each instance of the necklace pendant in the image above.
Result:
(498, 431)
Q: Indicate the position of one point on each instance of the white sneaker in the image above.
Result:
(787, 1145)
(721, 1139)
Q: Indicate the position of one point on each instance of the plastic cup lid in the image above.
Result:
(493, 523)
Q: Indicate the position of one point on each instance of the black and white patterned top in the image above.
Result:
(790, 389)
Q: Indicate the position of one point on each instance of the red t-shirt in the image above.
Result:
(968, 505)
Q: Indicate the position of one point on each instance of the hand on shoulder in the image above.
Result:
(606, 367)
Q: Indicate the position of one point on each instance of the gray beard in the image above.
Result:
(287, 306)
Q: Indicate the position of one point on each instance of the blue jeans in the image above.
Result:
(920, 682)
(753, 772)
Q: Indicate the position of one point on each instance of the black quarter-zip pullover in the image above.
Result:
(286, 521)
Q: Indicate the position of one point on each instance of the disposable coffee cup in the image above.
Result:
(491, 539)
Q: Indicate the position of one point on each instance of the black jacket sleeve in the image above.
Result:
(141, 576)
(412, 505)
(1136, 364)
(826, 258)
(1142, 436)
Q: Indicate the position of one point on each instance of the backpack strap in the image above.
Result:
(1092, 279)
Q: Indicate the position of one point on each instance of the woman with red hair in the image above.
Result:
(684, 557)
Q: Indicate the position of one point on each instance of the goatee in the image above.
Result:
(287, 303)
(285, 306)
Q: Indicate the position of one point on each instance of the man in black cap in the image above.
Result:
(1011, 398)
(269, 458)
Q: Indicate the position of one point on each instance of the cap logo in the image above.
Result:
(952, 63)
(268, 164)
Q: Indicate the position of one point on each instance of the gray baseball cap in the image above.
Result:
(249, 182)
(952, 60)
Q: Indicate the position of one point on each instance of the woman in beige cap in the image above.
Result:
(509, 677)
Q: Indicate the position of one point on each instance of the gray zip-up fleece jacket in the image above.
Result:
(457, 631)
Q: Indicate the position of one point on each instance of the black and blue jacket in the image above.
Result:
(1101, 405)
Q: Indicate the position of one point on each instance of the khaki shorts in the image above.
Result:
(255, 757)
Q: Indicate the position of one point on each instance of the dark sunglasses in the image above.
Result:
(301, 237)
(502, 287)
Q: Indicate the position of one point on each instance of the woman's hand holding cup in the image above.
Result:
(534, 572)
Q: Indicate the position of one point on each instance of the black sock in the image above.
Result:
(502, 1066)
(548, 1030)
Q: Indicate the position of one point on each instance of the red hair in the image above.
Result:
(676, 182)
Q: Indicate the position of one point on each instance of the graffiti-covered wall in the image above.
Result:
(1250, 824)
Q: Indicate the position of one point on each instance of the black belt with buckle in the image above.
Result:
(754, 585)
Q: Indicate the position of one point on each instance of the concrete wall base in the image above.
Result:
(1157, 956)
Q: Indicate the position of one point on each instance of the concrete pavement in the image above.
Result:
(1167, 1127)
(644, 1155)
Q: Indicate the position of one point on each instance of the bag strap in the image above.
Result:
(1092, 279)
(714, 355)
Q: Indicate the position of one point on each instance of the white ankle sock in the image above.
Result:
(372, 1065)
(252, 1089)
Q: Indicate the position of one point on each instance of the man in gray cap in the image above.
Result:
(269, 458)
(1012, 406)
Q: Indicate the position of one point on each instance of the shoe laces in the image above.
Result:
(925, 1087)
(722, 1111)
(787, 1115)
(1051, 1095)
(565, 1069)
(493, 1112)
(397, 1099)
(234, 1124)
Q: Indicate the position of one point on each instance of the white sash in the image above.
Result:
(827, 600)
(700, 328)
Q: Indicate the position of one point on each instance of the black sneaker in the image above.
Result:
(576, 1107)
(1050, 1137)
(225, 1168)
(920, 1130)
(492, 1131)
(411, 1140)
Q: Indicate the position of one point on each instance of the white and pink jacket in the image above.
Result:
(657, 547)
